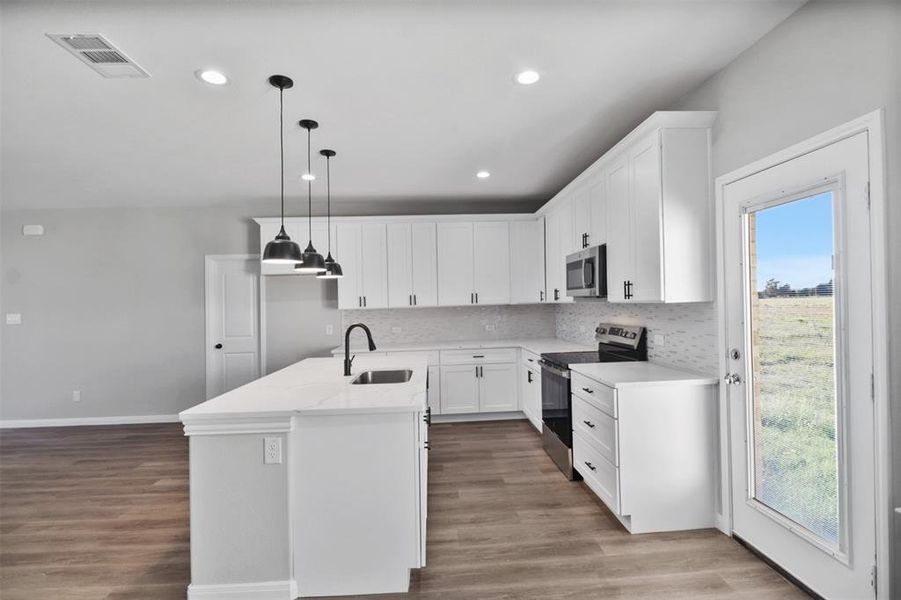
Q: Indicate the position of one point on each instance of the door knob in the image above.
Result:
(218, 346)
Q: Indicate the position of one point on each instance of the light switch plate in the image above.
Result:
(659, 340)
(13, 318)
(329, 329)
(32, 230)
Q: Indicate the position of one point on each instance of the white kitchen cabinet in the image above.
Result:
(473, 263)
(459, 389)
(560, 241)
(435, 389)
(659, 233)
(491, 245)
(530, 392)
(299, 233)
(590, 213)
(412, 265)
(362, 251)
(498, 388)
(527, 262)
(455, 264)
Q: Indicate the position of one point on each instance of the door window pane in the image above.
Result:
(793, 385)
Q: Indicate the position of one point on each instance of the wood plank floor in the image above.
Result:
(101, 513)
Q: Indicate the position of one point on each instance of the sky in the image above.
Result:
(794, 242)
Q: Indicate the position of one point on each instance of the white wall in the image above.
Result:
(827, 64)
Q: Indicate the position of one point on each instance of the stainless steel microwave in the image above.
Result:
(586, 273)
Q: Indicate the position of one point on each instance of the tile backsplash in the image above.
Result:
(448, 324)
(689, 330)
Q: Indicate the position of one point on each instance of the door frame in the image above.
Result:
(208, 261)
(873, 124)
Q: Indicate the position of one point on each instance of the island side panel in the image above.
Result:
(356, 503)
(240, 529)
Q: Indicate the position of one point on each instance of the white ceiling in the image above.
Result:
(414, 96)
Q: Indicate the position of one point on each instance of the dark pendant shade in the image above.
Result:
(282, 250)
(332, 269)
(312, 263)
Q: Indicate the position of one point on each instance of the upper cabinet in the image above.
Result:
(473, 263)
(412, 265)
(590, 213)
(560, 241)
(527, 262)
(659, 226)
(362, 251)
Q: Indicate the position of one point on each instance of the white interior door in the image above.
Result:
(799, 336)
(232, 322)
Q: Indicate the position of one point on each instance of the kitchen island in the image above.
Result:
(306, 484)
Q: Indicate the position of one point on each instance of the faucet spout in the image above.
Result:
(348, 359)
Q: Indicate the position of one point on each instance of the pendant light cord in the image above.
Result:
(281, 144)
(309, 190)
(328, 195)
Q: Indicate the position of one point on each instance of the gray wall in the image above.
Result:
(827, 64)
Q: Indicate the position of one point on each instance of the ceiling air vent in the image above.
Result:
(99, 53)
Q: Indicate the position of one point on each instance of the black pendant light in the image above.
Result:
(282, 250)
(312, 262)
(332, 268)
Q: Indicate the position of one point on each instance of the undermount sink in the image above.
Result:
(390, 376)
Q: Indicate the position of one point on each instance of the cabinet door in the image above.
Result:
(425, 264)
(491, 247)
(348, 255)
(597, 201)
(374, 265)
(532, 397)
(619, 237)
(497, 387)
(527, 262)
(455, 264)
(459, 389)
(647, 216)
(400, 265)
(560, 242)
(435, 389)
(582, 219)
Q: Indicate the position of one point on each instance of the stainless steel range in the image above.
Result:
(616, 343)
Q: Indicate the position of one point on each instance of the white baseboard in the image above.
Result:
(80, 421)
(460, 418)
(264, 590)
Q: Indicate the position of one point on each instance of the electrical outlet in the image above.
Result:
(76, 395)
(329, 329)
(490, 327)
(272, 451)
(13, 318)
(396, 330)
(659, 340)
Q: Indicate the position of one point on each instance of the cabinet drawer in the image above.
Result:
(478, 356)
(530, 359)
(594, 393)
(597, 427)
(599, 473)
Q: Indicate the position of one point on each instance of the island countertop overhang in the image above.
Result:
(311, 387)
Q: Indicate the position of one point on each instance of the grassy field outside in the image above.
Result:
(795, 411)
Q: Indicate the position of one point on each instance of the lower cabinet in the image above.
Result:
(648, 452)
(530, 392)
(473, 388)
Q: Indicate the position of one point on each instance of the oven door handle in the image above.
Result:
(554, 370)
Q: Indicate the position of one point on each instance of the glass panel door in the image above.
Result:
(794, 392)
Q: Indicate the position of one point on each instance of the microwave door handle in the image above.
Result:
(584, 264)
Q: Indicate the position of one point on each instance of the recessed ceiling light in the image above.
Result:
(528, 77)
(308, 177)
(212, 77)
(483, 174)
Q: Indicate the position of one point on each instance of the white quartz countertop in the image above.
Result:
(317, 386)
(625, 374)
(536, 345)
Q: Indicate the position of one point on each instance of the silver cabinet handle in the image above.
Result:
(590, 466)
(588, 390)
(589, 423)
